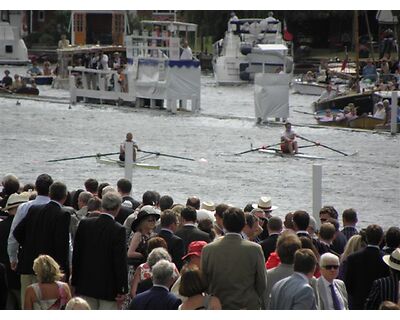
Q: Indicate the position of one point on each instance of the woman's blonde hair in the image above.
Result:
(47, 269)
(77, 303)
(354, 244)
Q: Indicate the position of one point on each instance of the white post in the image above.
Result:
(317, 191)
(128, 160)
(393, 116)
(72, 98)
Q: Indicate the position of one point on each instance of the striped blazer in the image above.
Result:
(383, 289)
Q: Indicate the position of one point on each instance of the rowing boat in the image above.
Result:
(110, 161)
(277, 152)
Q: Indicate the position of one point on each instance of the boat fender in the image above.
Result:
(245, 49)
(244, 75)
(243, 66)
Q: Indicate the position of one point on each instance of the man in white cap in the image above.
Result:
(387, 288)
(265, 204)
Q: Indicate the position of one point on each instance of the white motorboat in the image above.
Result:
(243, 52)
(12, 47)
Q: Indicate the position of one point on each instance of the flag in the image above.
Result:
(287, 36)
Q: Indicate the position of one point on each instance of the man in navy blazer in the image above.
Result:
(99, 266)
(169, 225)
(363, 267)
(158, 297)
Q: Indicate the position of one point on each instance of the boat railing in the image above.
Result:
(153, 46)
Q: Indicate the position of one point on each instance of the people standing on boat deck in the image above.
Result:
(186, 51)
(63, 42)
(34, 70)
(233, 17)
(369, 71)
(288, 142)
(7, 81)
(329, 93)
(122, 147)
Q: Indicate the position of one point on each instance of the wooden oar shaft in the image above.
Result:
(166, 155)
(322, 145)
(83, 157)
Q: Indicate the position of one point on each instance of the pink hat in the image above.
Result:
(195, 248)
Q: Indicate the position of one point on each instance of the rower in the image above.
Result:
(288, 142)
(129, 138)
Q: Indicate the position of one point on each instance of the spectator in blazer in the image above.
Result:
(99, 261)
(287, 245)
(44, 230)
(392, 240)
(349, 218)
(327, 213)
(158, 297)
(387, 288)
(188, 231)
(124, 187)
(301, 220)
(234, 267)
(169, 225)
(268, 245)
(92, 185)
(295, 292)
(219, 215)
(363, 267)
(325, 239)
(332, 294)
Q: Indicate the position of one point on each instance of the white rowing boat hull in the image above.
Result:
(287, 155)
(109, 161)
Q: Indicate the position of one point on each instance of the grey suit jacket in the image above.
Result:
(234, 269)
(322, 295)
(293, 293)
(273, 276)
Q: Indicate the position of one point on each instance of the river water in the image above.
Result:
(33, 132)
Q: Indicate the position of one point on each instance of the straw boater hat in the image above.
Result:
(144, 212)
(265, 203)
(393, 260)
(16, 199)
(210, 206)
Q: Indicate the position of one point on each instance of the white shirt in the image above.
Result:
(12, 247)
(329, 294)
(104, 62)
(187, 54)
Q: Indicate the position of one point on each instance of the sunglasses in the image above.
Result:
(329, 267)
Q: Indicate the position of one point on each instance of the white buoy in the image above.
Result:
(316, 191)
(128, 160)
